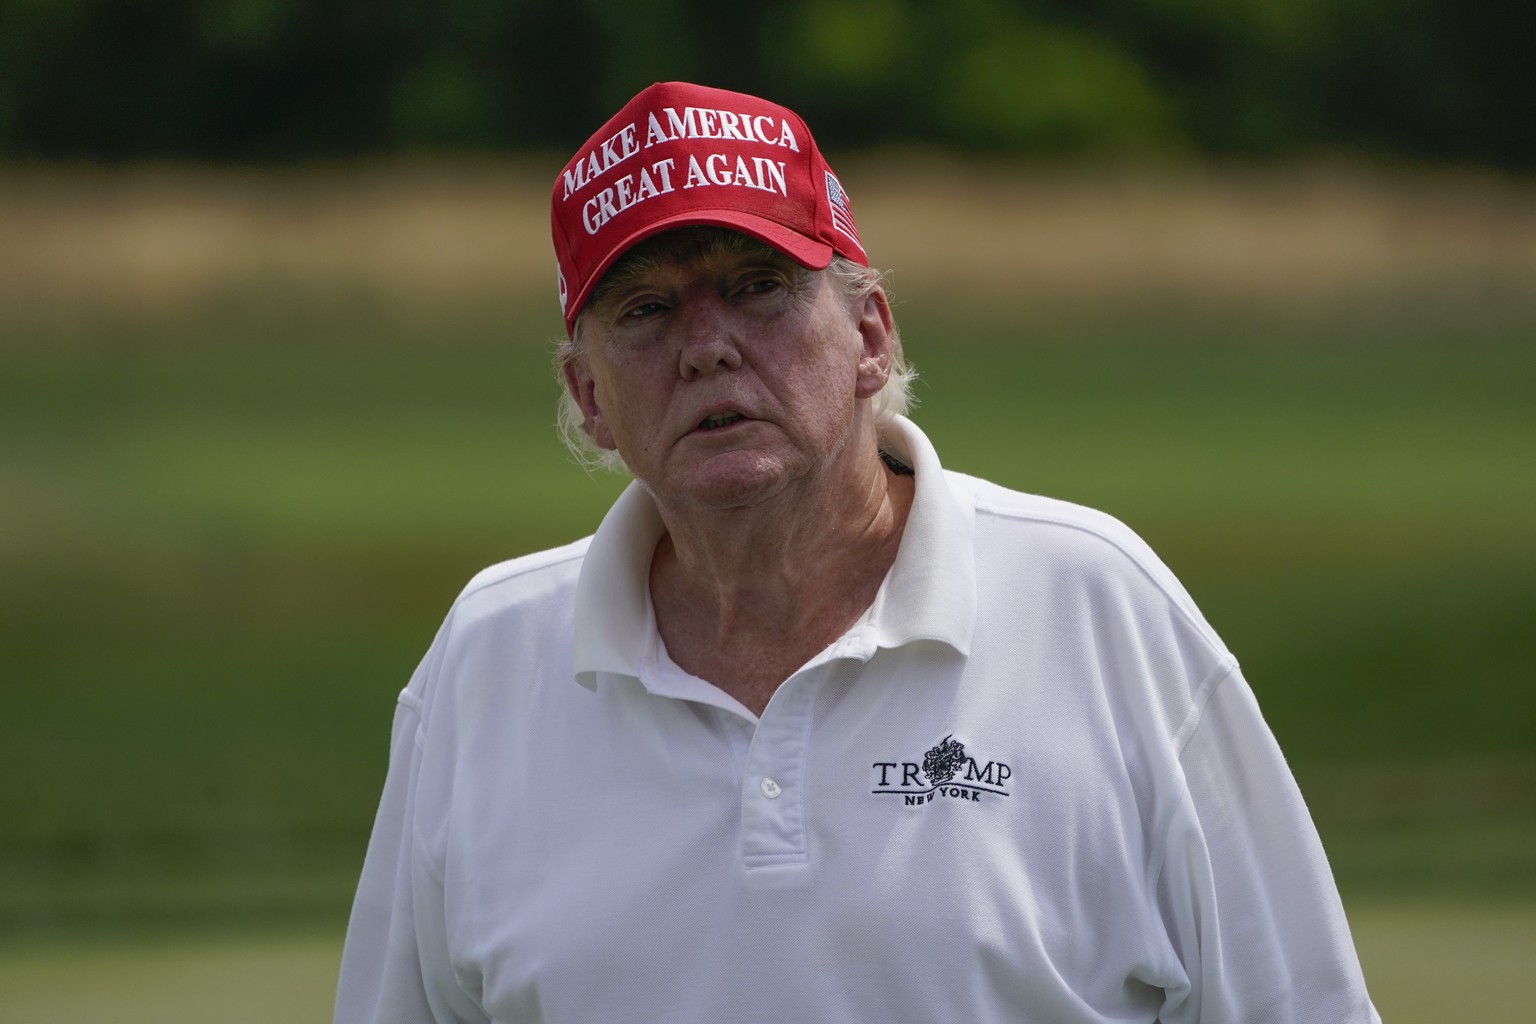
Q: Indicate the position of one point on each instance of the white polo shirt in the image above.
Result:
(1030, 785)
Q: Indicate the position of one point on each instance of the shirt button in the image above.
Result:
(770, 787)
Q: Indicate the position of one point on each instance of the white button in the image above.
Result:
(770, 787)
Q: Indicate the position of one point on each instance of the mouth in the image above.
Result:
(719, 420)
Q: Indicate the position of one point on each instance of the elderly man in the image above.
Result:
(813, 729)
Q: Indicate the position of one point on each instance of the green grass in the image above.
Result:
(226, 539)
(228, 978)
(1426, 962)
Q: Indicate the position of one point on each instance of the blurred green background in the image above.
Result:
(276, 312)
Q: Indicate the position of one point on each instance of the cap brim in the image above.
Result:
(808, 252)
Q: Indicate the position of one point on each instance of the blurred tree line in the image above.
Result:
(264, 80)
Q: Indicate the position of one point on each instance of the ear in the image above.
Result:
(582, 387)
(875, 325)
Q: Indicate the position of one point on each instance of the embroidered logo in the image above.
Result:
(842, 210)
(918, 783)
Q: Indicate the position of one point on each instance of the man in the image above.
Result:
(812, 729)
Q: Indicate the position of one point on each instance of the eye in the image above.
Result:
(641, 310)
(765, 285)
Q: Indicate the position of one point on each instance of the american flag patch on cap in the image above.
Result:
(842, 213)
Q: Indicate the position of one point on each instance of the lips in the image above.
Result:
(719, 420)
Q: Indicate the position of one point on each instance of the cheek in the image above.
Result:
(629, 404)
(845, 371)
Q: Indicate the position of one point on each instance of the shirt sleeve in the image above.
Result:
(395, 967)
(1248, 898)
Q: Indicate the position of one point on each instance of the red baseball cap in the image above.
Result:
(680, 154)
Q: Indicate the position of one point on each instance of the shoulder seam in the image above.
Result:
(1223, 671)
(1203, 629)
(1198, 701)
(522, 566)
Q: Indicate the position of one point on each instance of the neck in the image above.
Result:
(744, 598)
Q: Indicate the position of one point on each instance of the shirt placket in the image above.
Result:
(773, 785)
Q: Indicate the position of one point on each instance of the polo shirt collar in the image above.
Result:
(929, 593)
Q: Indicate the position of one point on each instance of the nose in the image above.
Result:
(708, 340)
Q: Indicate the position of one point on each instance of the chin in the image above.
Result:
(734, 480)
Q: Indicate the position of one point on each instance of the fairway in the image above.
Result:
(264, 980)
(1441, 963)
(1425, 964)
